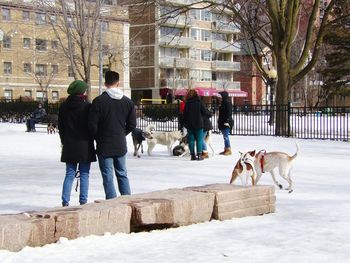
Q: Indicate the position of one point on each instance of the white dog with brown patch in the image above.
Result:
(267, 162)
(163, 138)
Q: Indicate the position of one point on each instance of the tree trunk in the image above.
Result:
(282, 97)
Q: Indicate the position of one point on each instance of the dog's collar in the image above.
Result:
(262, 153)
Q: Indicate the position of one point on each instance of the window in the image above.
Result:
(70, 72)
(27, 67)
(194, 74)
(40, 95)
(205, 15)
(6, 14)
(25, 15)
(8, 94)
(206, 35)
(40, 19)
(54, 69)
(53, 19)
(104, 26)
(28, 93)
(70, 22)
(206, 55)
(26, 42)
(195, 54)
(41, 44)
(195, 33)
(7, 67)
(6, 42)
(205, 75)
(172, 31)
(41, 69)
(54, 44)
(55, 96)
(195, 14)
(169, 52)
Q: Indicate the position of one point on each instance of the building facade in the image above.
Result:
(197, 48)
(33, 64)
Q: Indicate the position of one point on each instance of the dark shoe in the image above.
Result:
(200, 157)
(65, 204)
(193, 157)
(33, 130)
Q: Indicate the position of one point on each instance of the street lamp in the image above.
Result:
(271, 82)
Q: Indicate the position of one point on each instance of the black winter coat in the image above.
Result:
(207, 125)
(78, 146)
(193, 114)
(110, 120)
(225, 111)
(38, 114)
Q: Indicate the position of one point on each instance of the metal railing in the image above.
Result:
(299, 122)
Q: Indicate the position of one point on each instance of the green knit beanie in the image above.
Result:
(77, 87)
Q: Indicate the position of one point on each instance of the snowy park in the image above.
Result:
(312, 224)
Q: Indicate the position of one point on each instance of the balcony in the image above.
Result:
(178, 21)
(224, 46)
(225, 27)
(231, 85)
(172, 83)
(171, 41)
(226, 66)
(179, 2)
(172, 62)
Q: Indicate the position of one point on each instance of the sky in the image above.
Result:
(312, 224)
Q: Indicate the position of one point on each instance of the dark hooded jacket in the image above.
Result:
(38, 114)
(78, 146)
(193, 114)
(112, 117)
(225, 111)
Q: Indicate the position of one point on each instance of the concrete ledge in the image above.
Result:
(170, 208)
(155, 210)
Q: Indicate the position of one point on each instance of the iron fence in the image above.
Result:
(253, 120)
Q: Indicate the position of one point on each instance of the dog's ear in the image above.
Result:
(240, 153)
(252, 153)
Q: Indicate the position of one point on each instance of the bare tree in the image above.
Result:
(75, 24)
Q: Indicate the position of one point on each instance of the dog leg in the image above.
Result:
(287, 177)
(275, 181)
(150, 148)
(138, 148)
(233, 176)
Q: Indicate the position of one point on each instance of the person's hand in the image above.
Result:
(227, 124)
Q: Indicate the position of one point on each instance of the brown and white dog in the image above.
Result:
(268, 161)
(245, 166)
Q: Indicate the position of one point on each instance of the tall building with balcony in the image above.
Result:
(196, 48)
(31, 57)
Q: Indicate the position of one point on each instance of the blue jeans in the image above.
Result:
(71, 168)
(118, 163)
(204, 144)
(195, 136)
(225, 133)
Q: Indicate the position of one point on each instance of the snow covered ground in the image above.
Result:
(310, 225)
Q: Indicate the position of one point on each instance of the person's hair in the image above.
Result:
(191, 94)
(111, 78)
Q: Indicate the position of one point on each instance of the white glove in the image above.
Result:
(227, 124)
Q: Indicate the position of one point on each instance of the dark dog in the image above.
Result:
(181, 149)
(138, 136)
(52, 123)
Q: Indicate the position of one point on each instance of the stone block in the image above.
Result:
(250, 211)
(170, 208)
(239, 201)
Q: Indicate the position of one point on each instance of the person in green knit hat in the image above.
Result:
(77, 146)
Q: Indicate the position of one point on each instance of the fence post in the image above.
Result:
(289, 108)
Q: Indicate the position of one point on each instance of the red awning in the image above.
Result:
(211, 92)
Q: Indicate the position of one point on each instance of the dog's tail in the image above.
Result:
(297, 152)
(150, 128)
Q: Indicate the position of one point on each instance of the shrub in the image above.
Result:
(161, 112)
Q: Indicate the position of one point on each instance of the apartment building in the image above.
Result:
(196, 48)
(33, 65)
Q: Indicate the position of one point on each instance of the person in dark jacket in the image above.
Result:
(37, 116)
(112, 117)
(225, 121)
(77, 145)
(193, 120)
(207, 126)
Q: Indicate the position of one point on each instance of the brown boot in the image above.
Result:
(205, 155)
(227, 151)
